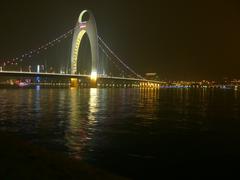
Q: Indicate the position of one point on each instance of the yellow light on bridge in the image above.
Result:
(74, 82)
(94, 76)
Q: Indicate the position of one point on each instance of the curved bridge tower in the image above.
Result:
(90, 28)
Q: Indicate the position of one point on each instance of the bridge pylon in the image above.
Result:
(88, 27)
(74, 82)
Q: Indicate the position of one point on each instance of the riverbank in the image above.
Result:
(22, 160)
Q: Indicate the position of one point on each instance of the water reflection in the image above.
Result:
(37, 101)
(146, 105)
(93, 103)
(82, 119)
(84, 123)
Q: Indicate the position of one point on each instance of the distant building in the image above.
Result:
(151, 76)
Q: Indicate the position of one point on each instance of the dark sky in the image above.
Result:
(186, 40)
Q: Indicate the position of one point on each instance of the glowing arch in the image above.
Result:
(90, 28)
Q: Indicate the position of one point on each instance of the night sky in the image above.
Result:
(183, 40)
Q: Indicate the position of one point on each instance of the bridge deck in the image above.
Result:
(33, 74)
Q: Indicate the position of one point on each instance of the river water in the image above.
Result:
(130, 132)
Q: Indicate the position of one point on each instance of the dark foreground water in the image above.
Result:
(131, 132)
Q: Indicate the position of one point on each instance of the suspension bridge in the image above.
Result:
(107, 69)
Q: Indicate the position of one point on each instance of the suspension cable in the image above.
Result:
(124, 64)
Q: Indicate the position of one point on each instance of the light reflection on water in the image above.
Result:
(81, 124)
(107, 124)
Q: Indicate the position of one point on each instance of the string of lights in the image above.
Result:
(31, 53)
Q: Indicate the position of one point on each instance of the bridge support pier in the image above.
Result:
(93, 84)
(74, 82)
